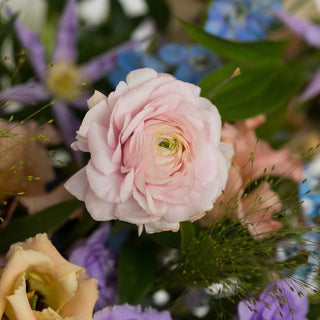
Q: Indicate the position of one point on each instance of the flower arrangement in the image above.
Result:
(164, 177)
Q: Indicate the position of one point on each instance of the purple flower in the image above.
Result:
(62, 81)
(282, 299)
(127, 312)
(310, 32)
(100, 263)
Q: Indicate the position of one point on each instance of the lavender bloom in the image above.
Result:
(310, 32)
(246, 20)
(100, 263)
(63, 81)
(127, 312)
(283, 299)
(191, 62)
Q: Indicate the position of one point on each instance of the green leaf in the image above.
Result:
(47, 221)
(166, 238)
(261, 88)
(213, 82)
(187, 235)
(137, 269)
(159, 10)
(6, 28)
(235, 50)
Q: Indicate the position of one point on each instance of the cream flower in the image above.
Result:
(37, 283)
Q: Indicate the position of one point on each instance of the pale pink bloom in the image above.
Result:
(156, 154)
(252, 159)
(35, 268)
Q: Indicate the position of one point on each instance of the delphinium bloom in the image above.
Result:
(100, 263)
(252, 160)
(310, 32)
(282, 299)
(246, 20)
(130, 60)
(156, 154)
(309, 192)
(191, 62)
(38, 283)
(126, 312)
(62, 81)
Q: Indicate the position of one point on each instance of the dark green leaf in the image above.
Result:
(234, 50)
(6, 28)
(47, 221)
(187, 235)
(166, 238)
(259, 89)
(137, 270)
(160, 12)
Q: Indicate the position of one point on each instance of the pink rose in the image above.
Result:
(38, 283)
(252, 159)
(156, 155)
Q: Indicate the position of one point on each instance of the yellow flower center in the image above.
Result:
(64, 80)
(169, 144)
(39, 291)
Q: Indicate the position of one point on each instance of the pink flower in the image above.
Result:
(253, 158)
(156, 155)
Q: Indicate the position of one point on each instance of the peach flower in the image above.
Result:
(253, 158)
(37, 283)
(25, 166)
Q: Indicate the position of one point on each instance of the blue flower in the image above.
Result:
(246, 20)
(130, 60)
(63, 80)
(191, 62)
(309, 192)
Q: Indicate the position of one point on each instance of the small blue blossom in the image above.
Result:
(309, 192)
(191, 62)
(246, 20)
(130, 60)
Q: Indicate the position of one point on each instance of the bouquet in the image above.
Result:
(159, 161)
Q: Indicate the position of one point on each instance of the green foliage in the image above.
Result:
(227, 250)
(160, 12)
(137, 269)
(6, 28)
(48, 220)
(237, 51)
(187, 235)
(260, 88)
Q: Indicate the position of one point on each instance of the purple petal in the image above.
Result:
(313, 88)
(81, 103)
(29, 93)
(67, 34)
(68, 124)
(97, 67)
(34, 49)
(308, 31)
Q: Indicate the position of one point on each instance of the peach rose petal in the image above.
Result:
(81, 305)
